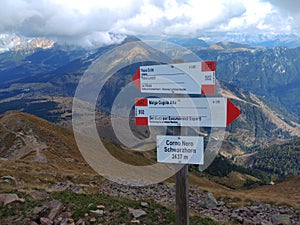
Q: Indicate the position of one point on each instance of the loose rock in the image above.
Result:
(56, 208)
(46, 221)
(136, 213)
(97, 212)
(7, 199)
(145, 204)
(100, 207)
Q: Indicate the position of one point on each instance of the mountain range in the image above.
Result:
(265, 40)
(262, 82)
(262, 71)
(12, 41)
(38, 151)
(272, 73)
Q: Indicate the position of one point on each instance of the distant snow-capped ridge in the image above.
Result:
(12, 42)
(266, 40)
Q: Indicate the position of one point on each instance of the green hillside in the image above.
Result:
(280, 159)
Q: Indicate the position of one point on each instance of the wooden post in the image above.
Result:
(182, 196)
(181, 182)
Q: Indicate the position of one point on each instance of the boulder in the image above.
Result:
(136, 213)
(46, 221)
(97, 212)
(280, 219)
(145, 204)
(56, 208)
(39, 195)
(208, 201)
(7, 199)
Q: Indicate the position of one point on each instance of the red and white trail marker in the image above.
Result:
(193, 112)
(183, 78)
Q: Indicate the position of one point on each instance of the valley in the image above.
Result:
(254, 179)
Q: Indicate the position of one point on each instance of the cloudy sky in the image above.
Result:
(91, 21)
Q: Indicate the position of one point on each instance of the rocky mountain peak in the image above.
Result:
(33, 44)
(19, 43)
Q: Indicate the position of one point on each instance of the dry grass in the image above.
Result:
(234, 180)
(284, 193)
(66, 163)
(132, 157)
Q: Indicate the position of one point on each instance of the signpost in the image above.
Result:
(183, 78)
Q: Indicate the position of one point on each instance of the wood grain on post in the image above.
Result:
(181, 179)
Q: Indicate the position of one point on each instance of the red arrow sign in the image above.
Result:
(197, 112)
(183, 78)
(136, 79)
(232, 112)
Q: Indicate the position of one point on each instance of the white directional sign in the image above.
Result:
(194, 112)
(183, 78)
(180, 149)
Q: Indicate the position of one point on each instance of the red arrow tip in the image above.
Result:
(136, 79)
(232, 112)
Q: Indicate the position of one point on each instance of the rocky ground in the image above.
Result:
(51, 211)
(206, 205)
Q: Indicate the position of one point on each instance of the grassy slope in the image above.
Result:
(63, 146)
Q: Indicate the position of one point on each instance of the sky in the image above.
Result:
(91, 22)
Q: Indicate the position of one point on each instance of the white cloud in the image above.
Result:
(89, 22)
(289, 9)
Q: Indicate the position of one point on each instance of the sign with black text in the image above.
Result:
(183, 78)
(193, 112)
(180, 149)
